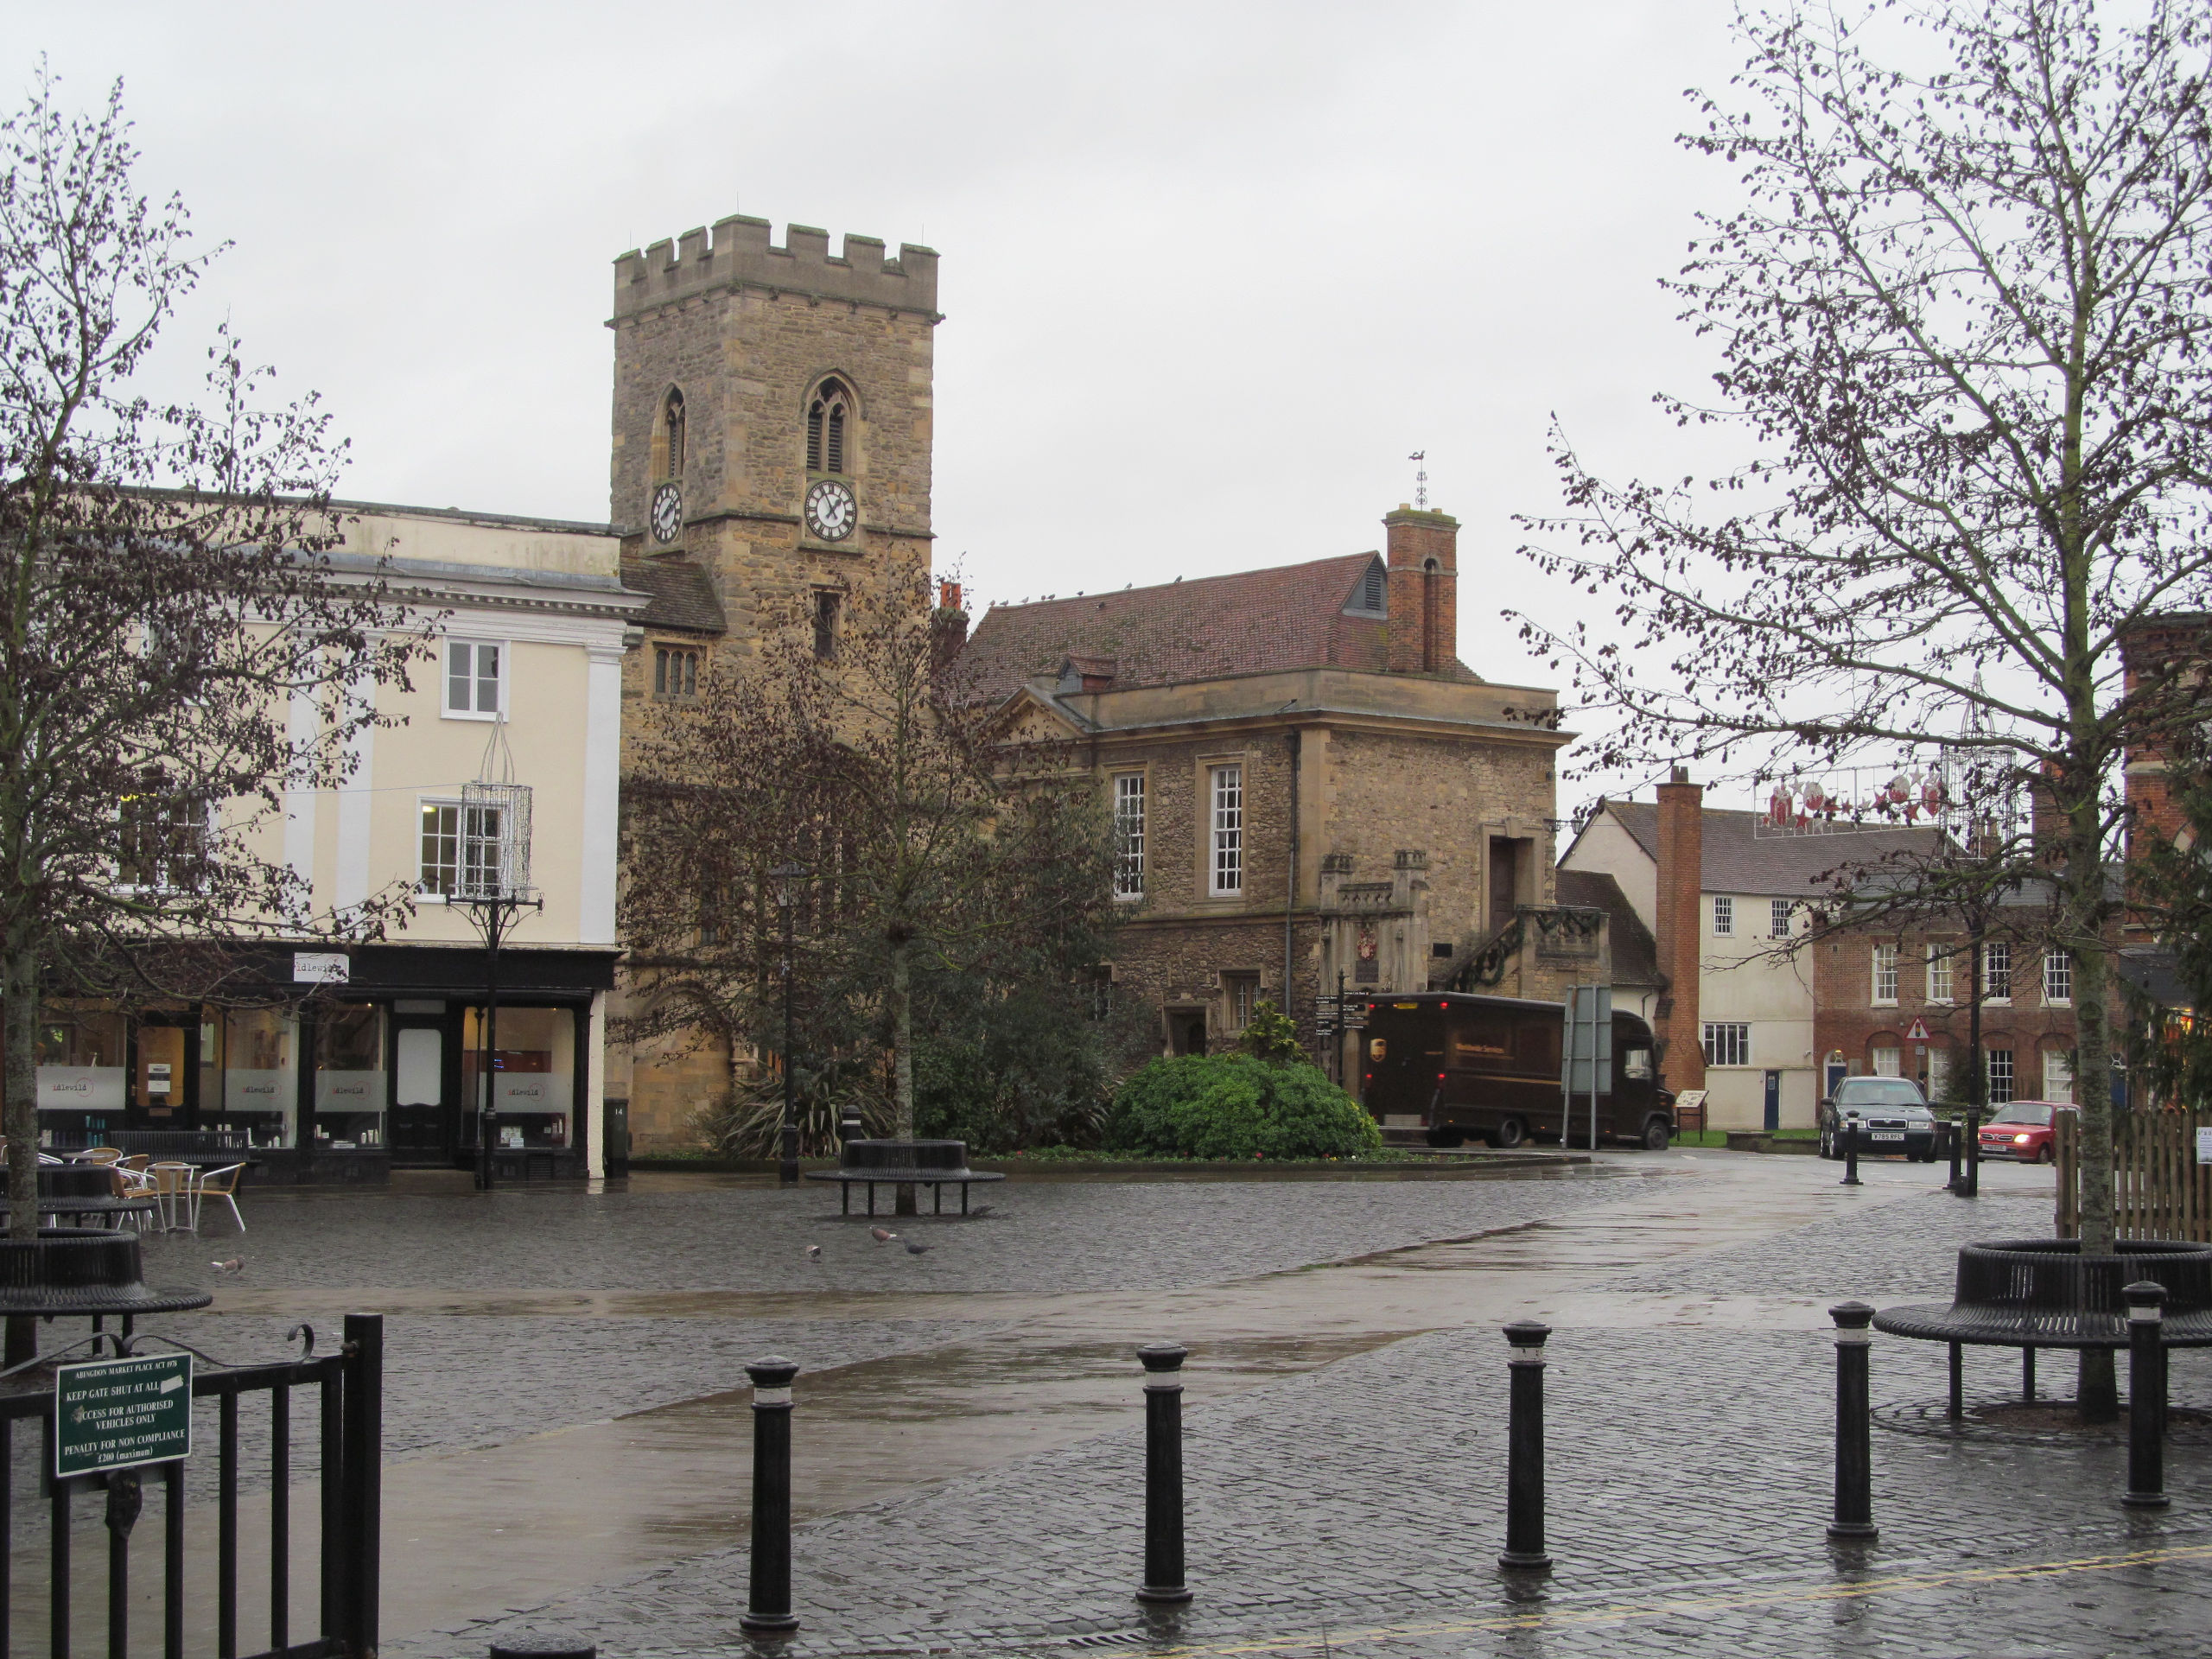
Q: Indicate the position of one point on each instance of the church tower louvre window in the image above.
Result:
(672, 436)
(827, 415)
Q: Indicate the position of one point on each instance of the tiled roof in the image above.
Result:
(682, 595)
(1253, 622)
(1736, 860)
(1636, 953)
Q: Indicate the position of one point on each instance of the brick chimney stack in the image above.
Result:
(1680, 932)
(947, 627)
(2048, 827)
(1423, 556)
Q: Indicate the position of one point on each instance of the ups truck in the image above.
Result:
(1488, 1068)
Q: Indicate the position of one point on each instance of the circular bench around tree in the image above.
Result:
(2032, 1294)
(934, 1163)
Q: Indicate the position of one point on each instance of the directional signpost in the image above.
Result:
(118, 1414)
(1586, 1057)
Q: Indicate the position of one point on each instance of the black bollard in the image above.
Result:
(1163, 1473)
(1974, 1152)
(1951, 1134)
(1524, 1454)
(1854, 1448)
(1850, 1153)
(2146, 1396)
(768, 1597)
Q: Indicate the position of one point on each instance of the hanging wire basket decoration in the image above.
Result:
(494, 844)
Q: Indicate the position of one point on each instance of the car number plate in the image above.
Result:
(1889, 1135)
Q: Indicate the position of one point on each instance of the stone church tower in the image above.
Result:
(772, 428)
(771, 467)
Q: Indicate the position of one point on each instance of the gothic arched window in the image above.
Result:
(828, 413)
(671, 435)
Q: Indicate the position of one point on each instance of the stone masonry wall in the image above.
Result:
(1447, 796)
(1376, 794)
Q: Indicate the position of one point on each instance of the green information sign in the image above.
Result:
(116, 1414)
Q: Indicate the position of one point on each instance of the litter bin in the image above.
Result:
(615, 1146)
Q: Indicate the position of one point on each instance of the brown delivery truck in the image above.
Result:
(1487, 1068)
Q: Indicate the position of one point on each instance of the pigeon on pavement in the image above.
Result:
(882, 1234)
(236, 1264)
(814, 1252)
(913, 1248)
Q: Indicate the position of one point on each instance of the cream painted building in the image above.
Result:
(1751, 1008)
(338, 1066)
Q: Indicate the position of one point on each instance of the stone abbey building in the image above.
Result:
(1309, 783)
(1310, 787)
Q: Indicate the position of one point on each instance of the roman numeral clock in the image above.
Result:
(668, 512)
(831, 512)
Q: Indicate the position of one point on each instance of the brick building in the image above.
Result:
(1307, 781)
(1896, 1002)
(771, 465)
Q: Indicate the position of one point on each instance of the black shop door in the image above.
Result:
(425, 1090)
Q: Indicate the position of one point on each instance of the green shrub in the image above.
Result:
(1235, 1106)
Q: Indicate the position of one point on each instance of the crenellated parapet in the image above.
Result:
(739, 254)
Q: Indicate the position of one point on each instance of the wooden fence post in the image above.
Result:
(2159, 1189)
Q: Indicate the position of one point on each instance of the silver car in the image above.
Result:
(1891, 1115)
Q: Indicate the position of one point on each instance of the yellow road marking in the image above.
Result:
(1803, 1594)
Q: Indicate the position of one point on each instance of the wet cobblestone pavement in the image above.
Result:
(1053, 1236)
(1349, 1500)
(1359, 1508)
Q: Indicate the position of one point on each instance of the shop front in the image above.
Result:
(372, 1060)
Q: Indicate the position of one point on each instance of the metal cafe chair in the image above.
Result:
(219, 1184)
(172, 1189)
(100, 1155)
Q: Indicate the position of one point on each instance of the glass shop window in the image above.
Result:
(83, 1062)
(534, 1074)
(248, 1079)
(349, 1076)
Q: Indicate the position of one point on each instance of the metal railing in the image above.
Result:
(347, 1388)
(159, 1142)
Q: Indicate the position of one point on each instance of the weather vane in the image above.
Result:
(1420, 477)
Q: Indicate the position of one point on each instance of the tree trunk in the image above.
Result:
(902, 1057)
(19, 999)
(2096, 1392)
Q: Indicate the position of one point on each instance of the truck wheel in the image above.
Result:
(1655, 1135)
(1446, 1137)
(1512, 1132)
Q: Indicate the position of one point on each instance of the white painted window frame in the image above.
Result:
(501, 678)
(1225, 829)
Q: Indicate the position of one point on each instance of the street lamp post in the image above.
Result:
(788, 878)
(493, 883)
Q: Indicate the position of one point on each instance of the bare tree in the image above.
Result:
(163, 603)
(939, 839)
(1963, 321)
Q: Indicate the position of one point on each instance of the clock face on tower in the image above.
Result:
(831, 513)
(668, 512)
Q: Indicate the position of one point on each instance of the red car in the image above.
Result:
(2021, 1131)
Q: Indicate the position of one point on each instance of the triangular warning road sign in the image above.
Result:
(1918, 1034)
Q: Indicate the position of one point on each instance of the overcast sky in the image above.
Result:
(1211, 272)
